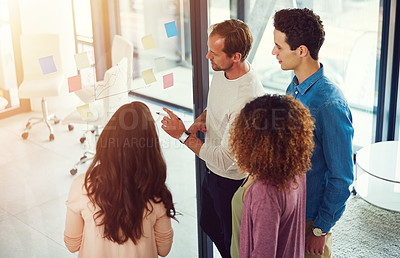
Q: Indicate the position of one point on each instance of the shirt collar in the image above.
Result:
(310, 81)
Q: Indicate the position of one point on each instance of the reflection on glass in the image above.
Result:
(8, 78)
(167, 57)
(349, 53)
(219, 11)
(141, 19)
(84, 37)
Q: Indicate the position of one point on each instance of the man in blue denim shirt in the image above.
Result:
(298, 36)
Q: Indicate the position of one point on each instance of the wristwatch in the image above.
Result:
(318, 232)
(184, 137)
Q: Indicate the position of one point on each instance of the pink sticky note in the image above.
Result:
(168, 80)
(74, 83)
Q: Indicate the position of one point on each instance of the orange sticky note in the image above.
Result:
(148, 76)
(74, 83)
(168, 80)
(148, 42)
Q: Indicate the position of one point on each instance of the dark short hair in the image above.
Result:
(302, 27)
(238, 38)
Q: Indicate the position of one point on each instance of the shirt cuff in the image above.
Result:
(320, 223)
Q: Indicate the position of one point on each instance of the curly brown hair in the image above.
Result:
(272, 139)
(127, 172)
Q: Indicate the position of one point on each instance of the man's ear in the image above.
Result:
(237, 57)
(303, 50)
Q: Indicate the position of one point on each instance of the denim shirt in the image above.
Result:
(331, 175)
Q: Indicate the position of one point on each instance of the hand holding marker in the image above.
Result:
(161, 113)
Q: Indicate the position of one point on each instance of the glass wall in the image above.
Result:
(349, 53)
(160, 33)
(84, 37)
(8, 77)
(162, 71)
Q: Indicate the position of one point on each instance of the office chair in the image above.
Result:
(104, 98)
(3, 103)
(43, 75)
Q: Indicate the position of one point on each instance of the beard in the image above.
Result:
(217, 68)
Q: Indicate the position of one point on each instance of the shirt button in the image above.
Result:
(296, 92)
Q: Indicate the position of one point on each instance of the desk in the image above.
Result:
(378, 174)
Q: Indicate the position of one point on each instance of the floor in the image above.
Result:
(35, 180)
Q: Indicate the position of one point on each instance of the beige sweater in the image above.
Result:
(225, 100)
(81, 233)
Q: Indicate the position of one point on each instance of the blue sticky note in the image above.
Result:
(47, 64)
(171, 29)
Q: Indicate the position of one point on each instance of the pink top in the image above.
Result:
(81, 234)
(273, 222)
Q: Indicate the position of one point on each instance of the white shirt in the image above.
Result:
(226, 98)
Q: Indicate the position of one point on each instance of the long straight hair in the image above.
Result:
(127, 172)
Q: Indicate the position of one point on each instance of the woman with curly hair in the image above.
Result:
(122, 207)
(272, 140)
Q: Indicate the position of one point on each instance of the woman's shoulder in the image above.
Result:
(76, 193)
(77, 185)
(259, 190)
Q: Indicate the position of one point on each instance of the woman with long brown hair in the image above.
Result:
(272, 140)
(122, 207)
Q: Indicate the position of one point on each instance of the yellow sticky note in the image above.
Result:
(85, 112)
(148, 76)
(82, 60)
(148, 42)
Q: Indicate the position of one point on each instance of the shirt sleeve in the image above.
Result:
(163, 233)
(219, 155)
(336, 133)
(74, 222)
(260, 226)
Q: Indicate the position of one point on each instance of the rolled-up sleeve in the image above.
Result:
(218, 154)
(74, 222)
(164, 234)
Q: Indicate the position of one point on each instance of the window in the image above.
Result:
(84, 36)
(170, 55)
(8, 77)
(160, 34)
(349, 53)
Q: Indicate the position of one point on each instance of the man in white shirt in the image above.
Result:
(234, 84)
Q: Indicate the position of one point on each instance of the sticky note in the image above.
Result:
(85, 112)
(168, 80)
(47, 64)
(74, 83)
(171, 29)
(82, 60)
(148, 76)
(148, 42)
(160, 64)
